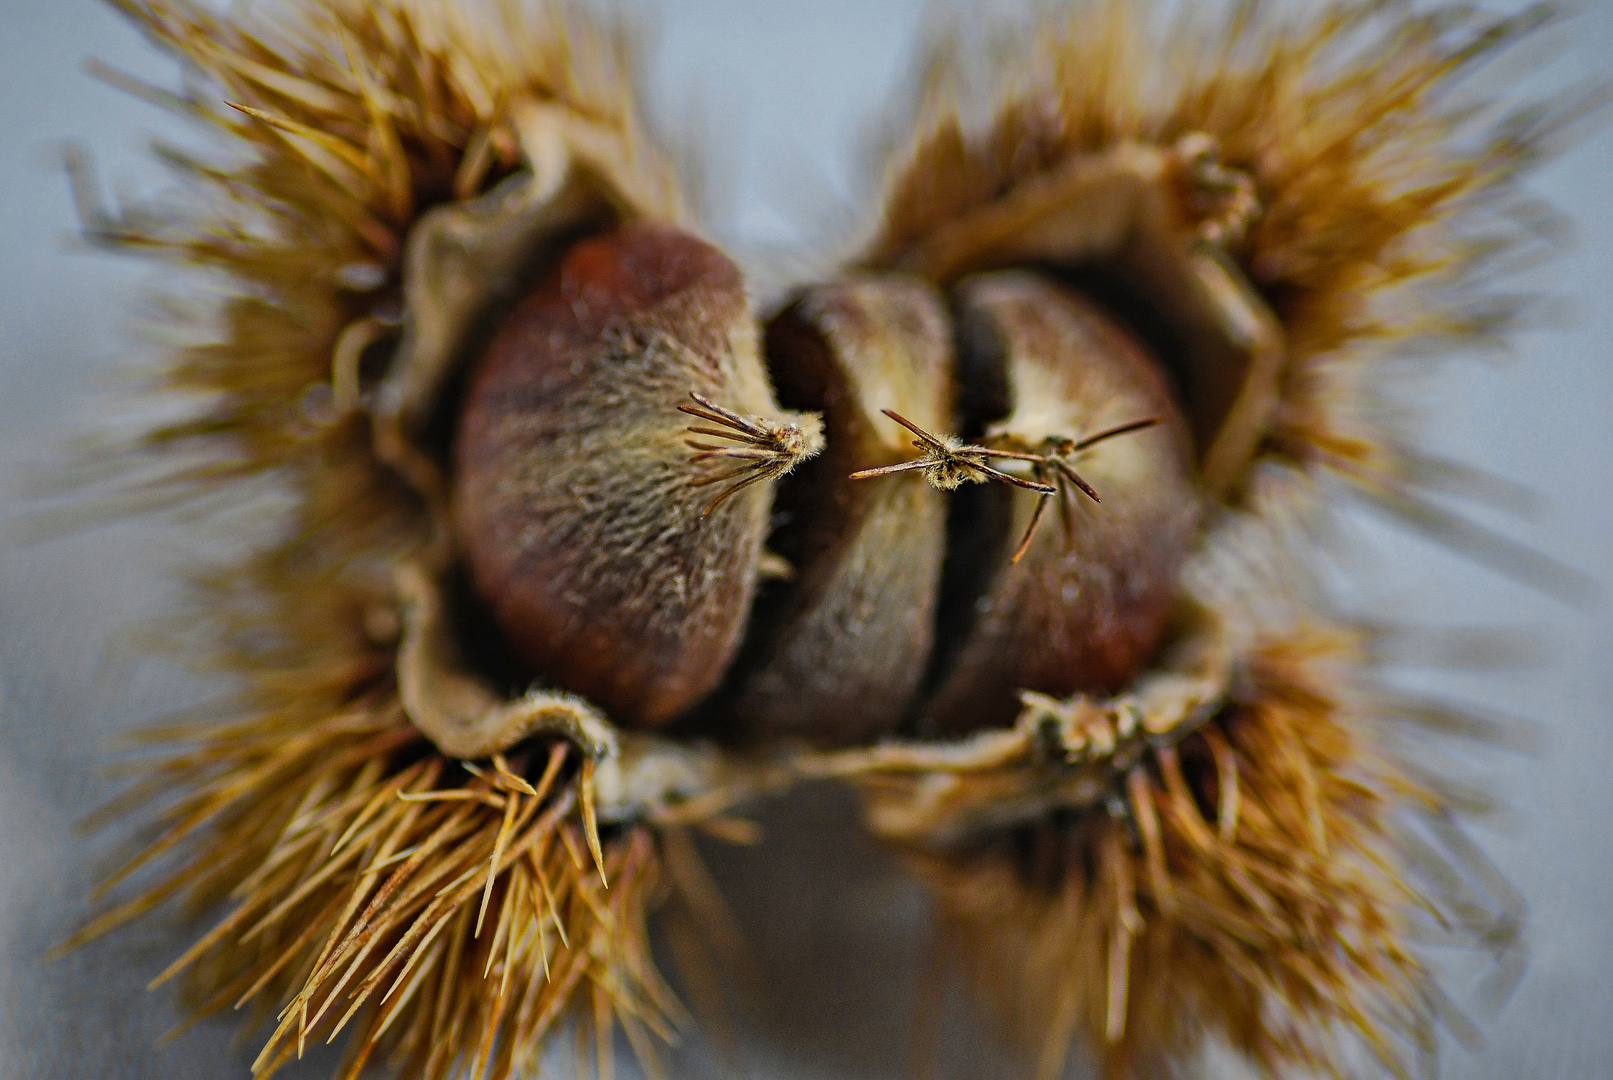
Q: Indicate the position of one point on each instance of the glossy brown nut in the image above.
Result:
(1089, 602)
(837, 659)
(573, 496)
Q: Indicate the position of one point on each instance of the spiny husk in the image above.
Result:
(1387, 197)
(1253, 890)
(1378, 213)
(448, 916)
(1388, 191)
(341, 123)
(451, 916)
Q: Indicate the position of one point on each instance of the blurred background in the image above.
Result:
(782, 92)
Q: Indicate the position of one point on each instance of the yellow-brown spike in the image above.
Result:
(447, 921)
(370, 884)
(340, 124)
(1384, 190)
(1213, 907)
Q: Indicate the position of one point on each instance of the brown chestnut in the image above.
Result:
(1084, 604)
(838, 658)
(589, 531)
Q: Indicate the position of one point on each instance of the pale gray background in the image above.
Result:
(784, 88)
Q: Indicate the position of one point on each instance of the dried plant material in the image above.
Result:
(462, 715)
(1381, 192)
(1096, 595)
(1333, 207)
(371, 884)
(948, 463)
(608, 569)
(466, 262)
(772, 448)
(464, 332)
(1154, 218)
(836, 658)
(1251, 885)
(1057, 464)
(1060, 757)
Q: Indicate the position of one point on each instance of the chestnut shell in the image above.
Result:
(1092, 598)
(838, 657)
(573, 501)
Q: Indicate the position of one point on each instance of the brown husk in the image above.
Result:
(449, 914)
(1091, 877)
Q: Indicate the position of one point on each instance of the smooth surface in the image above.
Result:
(839, 935)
